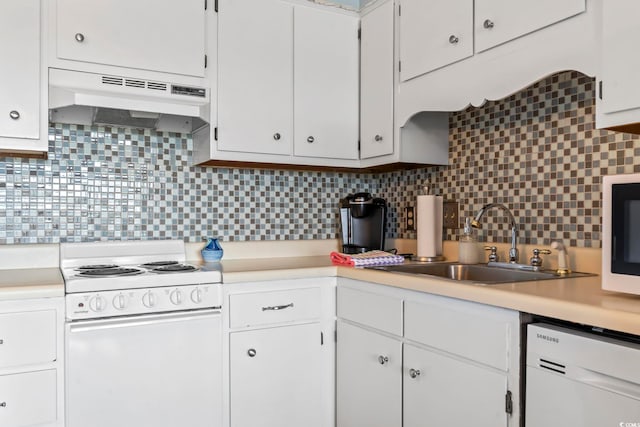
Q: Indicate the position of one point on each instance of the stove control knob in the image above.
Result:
(149, 299)
(120, 301)
(97, 303)
(196, 295)
(176, 297)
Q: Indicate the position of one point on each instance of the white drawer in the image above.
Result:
(466, 329)
(27, 338)
(264, 308)
(28, 399)
(377, 311)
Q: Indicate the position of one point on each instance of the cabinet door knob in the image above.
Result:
(251, 352)
(383, 360)
(3, 404)
(276, 136)
(414, 373)
(378, 138)
(453, 39)
(310, 140)
(15, 115)
(79, 37)
(488, 24)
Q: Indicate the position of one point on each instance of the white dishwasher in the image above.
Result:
(576, 378)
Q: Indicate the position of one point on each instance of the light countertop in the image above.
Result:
(31, 283)
(579, 300)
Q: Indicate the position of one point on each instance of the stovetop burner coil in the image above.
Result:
(111, 272)
(96, 267)
(156, 264)
(174, 268)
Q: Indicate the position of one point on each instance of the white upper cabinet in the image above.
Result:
(255, 76)
(434, 33)
(376, 82)
(618, 103)
(20, 77)
(498, 21)
(166, 37)
(288, 88)
(326, 95)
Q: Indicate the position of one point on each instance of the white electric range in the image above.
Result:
(143, 336)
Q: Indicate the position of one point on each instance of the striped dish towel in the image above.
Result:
(366, 258)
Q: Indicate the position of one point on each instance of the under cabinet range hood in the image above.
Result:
(83, 98)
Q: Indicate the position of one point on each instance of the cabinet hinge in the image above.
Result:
(399, 66)
(321, 338)
(600, 88)
(399, 10)
(358, 145)
(205, 4)
(215, 6)
(215, 133)
(359, 33)
(335, 336)
(508, 403)
(205, 61)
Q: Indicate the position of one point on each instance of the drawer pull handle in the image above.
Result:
(3, 404)
(277, 307)
(383, 360)
(1, 341)
(414, 373)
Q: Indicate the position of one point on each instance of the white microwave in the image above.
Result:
(621, 233)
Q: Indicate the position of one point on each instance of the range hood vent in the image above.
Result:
(95, 99)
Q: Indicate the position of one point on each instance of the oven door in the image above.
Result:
(161, 370)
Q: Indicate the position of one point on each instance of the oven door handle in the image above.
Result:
(140, 320)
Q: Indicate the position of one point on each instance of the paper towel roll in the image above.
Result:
(429, 225)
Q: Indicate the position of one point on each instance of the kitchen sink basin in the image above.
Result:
(476, 273)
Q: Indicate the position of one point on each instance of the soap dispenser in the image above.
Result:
(468, 250)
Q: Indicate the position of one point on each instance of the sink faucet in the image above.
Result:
(513, 252)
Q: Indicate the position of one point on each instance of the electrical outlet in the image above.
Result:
(450, 215)
(409, 218)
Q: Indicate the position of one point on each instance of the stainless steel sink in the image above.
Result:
(476, 273)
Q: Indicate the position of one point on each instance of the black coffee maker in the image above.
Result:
(364, 223)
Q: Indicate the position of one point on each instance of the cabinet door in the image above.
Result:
(620, 35)
(276, 377)
(255, 75)
(376, 82)
(369, 378)
(326, 84)
(145, 34)
(498, 21)
(434, 33)
(20, 70)
(442, 391)
(27, 338)
(28, 399)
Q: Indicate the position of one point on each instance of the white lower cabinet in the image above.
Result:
(449, 391)
(275, 377)
(453, 363)
(28, 399)
(31, 363)
(280, 354)
(369, 378)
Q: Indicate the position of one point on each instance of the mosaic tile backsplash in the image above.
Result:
(105, 184)
(538, 152)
